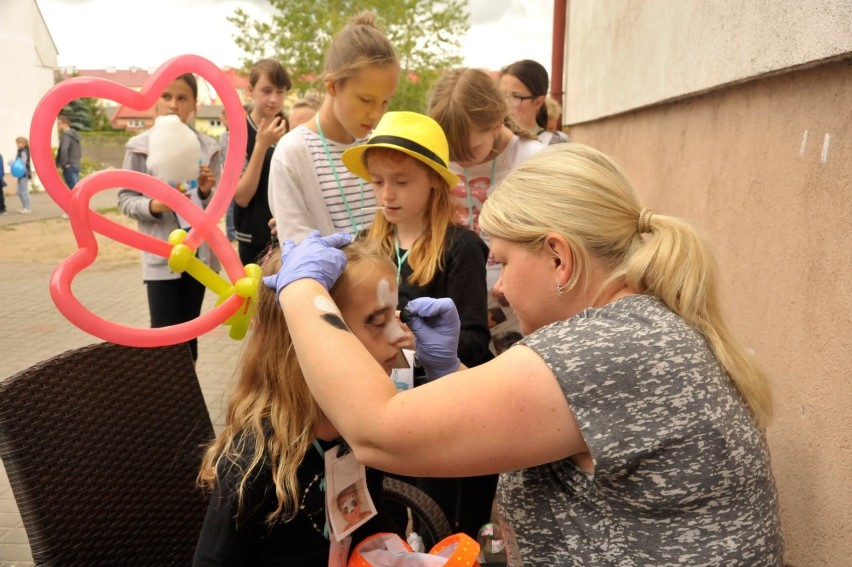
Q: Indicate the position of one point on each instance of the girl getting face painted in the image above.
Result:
(370, 314)
(274, 427)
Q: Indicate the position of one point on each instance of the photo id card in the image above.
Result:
(348, 501)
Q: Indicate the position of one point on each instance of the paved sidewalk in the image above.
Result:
(43, 207)
(34, 330)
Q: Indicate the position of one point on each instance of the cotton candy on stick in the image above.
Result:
(174, 155)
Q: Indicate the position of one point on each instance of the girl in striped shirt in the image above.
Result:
(310, 188)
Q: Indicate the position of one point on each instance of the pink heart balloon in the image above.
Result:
(84, 221)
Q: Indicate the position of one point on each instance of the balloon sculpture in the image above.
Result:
(237, 297)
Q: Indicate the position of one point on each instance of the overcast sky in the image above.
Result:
(101, 33)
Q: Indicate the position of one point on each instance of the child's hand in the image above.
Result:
(206, 181)
(269, 134)
(158, 207)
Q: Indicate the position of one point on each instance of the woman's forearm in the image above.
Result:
(403, 432)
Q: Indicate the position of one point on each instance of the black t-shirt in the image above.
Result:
(246, 539)
(252, 221)
(463, 281)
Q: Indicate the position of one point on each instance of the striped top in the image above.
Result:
(351, 190)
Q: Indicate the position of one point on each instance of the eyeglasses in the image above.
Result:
(515, 100)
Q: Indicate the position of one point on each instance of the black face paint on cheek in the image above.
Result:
(334, 320)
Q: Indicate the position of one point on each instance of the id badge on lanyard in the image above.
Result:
(348, 503)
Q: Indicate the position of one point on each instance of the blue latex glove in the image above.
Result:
(316, 257)
(436, 326)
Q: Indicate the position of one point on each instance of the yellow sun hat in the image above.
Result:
(411, 133)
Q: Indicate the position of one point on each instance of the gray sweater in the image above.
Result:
(138, 206)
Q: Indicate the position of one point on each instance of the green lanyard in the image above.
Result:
(467, 187)
(355, 228)
(400, 260)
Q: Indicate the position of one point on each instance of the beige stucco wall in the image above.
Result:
(626, 54)
(766, 168)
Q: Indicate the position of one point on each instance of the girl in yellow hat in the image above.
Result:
(406, 160)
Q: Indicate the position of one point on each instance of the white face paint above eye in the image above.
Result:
(388, 298)
(323, 303)
(384, 295)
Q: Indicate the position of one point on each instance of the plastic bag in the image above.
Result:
(18, 168)
(390, 550)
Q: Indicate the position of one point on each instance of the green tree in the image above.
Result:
(87, 115)
(425, 33)
(78, 110)
(100, 120)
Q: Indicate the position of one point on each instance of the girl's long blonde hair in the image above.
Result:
(272, 417)
(427, 254)
(583, 195)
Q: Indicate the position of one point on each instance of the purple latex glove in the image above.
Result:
(316, 257)
(436, 326)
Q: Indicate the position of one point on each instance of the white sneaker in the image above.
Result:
(25, 211)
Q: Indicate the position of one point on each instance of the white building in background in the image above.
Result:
(29, 57)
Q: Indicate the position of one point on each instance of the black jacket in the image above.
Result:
(69, 152)
(252, 221)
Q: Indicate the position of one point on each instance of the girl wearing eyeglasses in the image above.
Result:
(524, 84)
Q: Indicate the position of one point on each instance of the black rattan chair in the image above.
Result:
(102, 445)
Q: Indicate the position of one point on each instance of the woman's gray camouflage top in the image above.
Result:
(682, 474)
